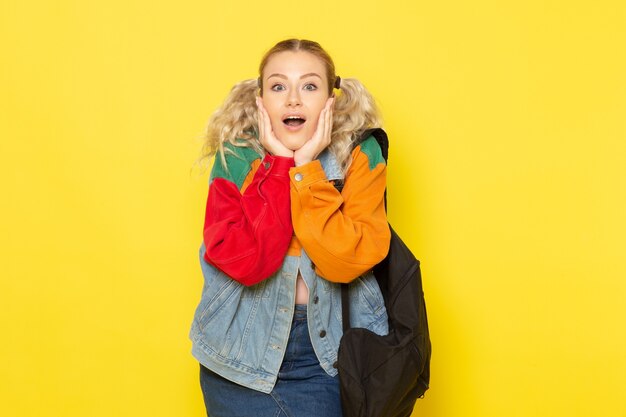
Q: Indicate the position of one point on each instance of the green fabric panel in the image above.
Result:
(371, 148)
(239, 164)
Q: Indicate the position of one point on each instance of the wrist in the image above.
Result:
(283, 154)
(299, 161)
(281, 151)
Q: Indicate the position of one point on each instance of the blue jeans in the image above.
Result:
(303, 388)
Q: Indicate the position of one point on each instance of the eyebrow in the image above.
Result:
(310, 74)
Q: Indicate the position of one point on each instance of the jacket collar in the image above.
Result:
(330, 165)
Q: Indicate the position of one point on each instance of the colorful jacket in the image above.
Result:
(267, 220)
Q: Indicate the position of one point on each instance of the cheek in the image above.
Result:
(318, 107)
(316, 118)
(272, 112)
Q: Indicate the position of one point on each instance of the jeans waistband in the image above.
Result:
(299, 312)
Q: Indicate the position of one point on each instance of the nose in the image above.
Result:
(293, 99)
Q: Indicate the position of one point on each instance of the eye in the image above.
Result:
(310, 87)
(278, 87)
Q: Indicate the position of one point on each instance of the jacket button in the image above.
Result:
(316, 299)
(298, 177)
(323, 333)
(266, 165)
(312, 266)
(335, 365)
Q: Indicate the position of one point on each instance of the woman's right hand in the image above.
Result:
(266, 134)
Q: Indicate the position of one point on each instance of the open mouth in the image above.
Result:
(294, 121)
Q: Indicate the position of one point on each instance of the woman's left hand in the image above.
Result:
(320, 139)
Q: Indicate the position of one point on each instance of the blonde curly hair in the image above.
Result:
(236, 121)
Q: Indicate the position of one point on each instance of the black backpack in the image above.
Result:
(383, 376)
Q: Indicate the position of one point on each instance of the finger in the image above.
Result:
(267, 124)
(326, 120)
(329, 119)
(259, 117)
(329, 103)
(328, 125)
(321, 124)
(261, 128)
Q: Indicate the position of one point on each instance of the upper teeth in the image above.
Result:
(293, 117)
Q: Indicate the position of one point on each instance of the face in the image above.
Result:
(294, 93)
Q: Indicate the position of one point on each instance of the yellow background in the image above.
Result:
(507, 178)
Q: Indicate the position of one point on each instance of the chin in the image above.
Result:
(293, 142)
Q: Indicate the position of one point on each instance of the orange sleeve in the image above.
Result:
(345, 234)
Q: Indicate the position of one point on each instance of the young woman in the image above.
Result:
(279, 237)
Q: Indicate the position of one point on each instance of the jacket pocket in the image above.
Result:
(367, 305)
(368, 293)
(219, 291)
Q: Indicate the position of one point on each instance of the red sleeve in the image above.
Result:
(247, 235)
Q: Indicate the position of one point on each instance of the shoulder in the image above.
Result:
(369, 151)
(239, 161)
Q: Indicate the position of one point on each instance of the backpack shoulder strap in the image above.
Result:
(381, 137)
(383, 142)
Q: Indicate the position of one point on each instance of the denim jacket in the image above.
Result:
(241, 332)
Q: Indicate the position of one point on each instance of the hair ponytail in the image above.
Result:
(354, 112)
(234, 122)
